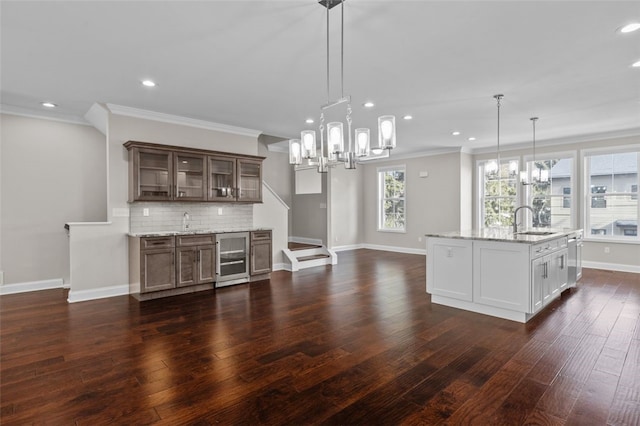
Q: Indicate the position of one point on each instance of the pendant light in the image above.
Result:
(305, 153)
(539, 175)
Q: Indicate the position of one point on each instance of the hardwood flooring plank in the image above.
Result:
(625, 409)
(595, 400)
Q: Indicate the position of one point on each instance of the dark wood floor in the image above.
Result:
(359, 343)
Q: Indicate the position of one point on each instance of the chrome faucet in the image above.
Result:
(185, 221)
(515, 217)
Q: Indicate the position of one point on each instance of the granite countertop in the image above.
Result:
(193, 232)
(505, 234)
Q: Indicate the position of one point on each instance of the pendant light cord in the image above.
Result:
(342, 49)
(328, 83)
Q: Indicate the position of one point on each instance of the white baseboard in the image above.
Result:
(31, 286)
(98, 293)
(348, 247)
(281, 267)
(611, 266)
(304, 240)
(395, 249)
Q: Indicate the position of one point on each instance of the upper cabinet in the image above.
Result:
(170, 173)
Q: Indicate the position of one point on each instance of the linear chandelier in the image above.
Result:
(304, 152)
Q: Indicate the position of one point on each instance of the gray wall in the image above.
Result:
(309, 213)
(51, 173)
(345, 206)
(433, 203)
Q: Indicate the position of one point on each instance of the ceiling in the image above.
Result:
(262, 65)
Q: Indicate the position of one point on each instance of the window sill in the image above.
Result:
(394, 231)
(635, 241)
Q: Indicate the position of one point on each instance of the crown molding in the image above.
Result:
(175, 119)
(617, 134)
(30, 113)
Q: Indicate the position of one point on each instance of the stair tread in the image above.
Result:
(312, 257)
(302, 246)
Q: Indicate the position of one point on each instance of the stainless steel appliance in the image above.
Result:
(575, 257)
(232, 263)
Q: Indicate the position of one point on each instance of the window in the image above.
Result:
(612, 185)
(498, 194)
(391, 199)
(566, 200)
(551, 199)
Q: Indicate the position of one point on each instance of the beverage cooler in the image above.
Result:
(232, 266)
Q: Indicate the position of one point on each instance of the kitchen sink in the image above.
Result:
(535, 233)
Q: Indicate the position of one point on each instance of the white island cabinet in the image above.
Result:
(496, 272)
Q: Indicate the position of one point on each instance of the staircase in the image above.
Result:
(302, 256)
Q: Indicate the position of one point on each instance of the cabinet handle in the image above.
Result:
(546, 270)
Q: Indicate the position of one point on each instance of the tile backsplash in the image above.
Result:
(169, 216)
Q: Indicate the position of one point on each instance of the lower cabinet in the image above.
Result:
(195, 259)
(499, 278)
(449, 268)
(261, 257)
(177, 262)
(156, 264)
(549, 277)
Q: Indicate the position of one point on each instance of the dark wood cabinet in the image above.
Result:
(170, 173)
(190, 177)
(195, 259)
(155, 263)
(249, 181)
(261, 256)
(150, 175)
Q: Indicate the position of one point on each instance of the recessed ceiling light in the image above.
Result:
(309, 121)
(636, 64)
(369, 104)
(408, 117)
(48, 104)
(149, 83)
(629, 28)
(471, 138)
(456, 133)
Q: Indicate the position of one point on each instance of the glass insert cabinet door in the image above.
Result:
(155, 170)
(190, 177)
(250, 181)
(222, 179)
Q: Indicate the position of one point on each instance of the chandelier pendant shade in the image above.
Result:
(305, 152)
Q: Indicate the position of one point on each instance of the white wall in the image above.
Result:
(51, 173)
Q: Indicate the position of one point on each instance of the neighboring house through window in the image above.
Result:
(612, 186)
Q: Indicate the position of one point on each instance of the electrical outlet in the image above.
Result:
(1, 277)
(607, 250)
(145, 212)
(219, 211)
(419, 239)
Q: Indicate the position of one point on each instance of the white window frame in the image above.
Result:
(480, 186)
(574, 199)
(586, 192)
(380, 173)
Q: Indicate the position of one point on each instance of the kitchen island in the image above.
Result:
(497, 272)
